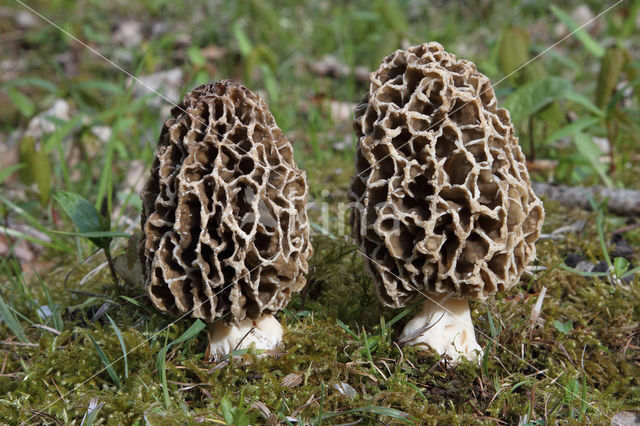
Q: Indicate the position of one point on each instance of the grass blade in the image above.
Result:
(105, 361)
(190, 333)
(93, 234)
(122, 345)
(92, 412)
(58, 323)
(581, 272)
(13, 233)
(162, 368)
(56, 243)
(401, 416)
(12, 321)
(346, 328)
(571, 129)
(587, 41)
(591, 152)
(8, 171)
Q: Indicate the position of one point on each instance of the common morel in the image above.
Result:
(225, 234)
(444, 205)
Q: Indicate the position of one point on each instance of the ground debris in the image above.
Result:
(621, 201)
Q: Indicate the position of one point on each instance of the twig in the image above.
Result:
(58, 389)
(107, 253)
(32, 345)
(621, 201)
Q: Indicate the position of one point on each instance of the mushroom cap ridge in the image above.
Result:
(224, 225)
(443, 198)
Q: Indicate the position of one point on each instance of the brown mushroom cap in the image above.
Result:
(224, 226)
(442, 193)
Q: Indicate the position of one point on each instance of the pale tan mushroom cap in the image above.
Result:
(224, 224)
(443, 197)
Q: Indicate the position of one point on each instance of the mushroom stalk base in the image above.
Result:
(444, 325)
(263, 333)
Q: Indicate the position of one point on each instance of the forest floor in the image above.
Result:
(562, 346)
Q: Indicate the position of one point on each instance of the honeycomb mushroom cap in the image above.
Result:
(224, 225)
(443, 198)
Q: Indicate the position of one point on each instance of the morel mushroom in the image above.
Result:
(443, 201)
(224, 227)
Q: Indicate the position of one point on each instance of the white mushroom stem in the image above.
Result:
(444, 325)
(263, 333)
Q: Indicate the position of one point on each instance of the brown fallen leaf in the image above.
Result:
(330, 66)
(213, 52)
(128, 266)
(291, 380)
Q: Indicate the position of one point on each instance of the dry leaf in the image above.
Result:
(291, 380)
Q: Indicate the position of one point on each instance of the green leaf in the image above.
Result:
(37, 167)
(195, 56)
(105, 361)
(190, 333)
(35, 223)
(406, 311)
(244, 44)
(633, 71)
(162, 369)
(582, 100)
(620, 266)
(56, 315)
(84, 216)
(517, 385)
(401, 416)
(591, 152)
(611, 67)
(366, 350)
(587, 41)
(619, 94)
(414, 387)
(393, 16)
(92, 86)
(513, 52)
(122, 345)
(22, 102)
(92, 412)
(63, 129)
(581, 272)
(564, 328)
(8, 171)
(533, 96)
(22, 235)
(270, 83)
(227, 410)
(630, 20)
(140, 305)
(12, 322)
(31, 81)
(96, 234)
(571, 129)
(348, 330)
(265, 12)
